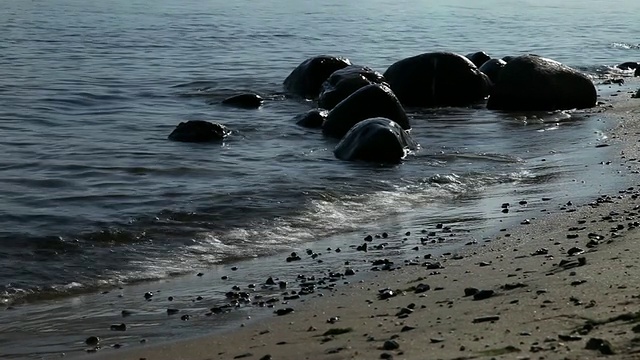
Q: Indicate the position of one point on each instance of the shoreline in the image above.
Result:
(545, 302)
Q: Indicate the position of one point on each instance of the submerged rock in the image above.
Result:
(198, 131)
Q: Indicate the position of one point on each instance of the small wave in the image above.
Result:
(626, 46)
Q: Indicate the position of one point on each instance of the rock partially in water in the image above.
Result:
(313, 118)
(478, 58)
(244, 101)
(437, 79)
(199, 131)
(345, 82)
(533, 83)
(371, 101)
(307, 78)
(377, 140)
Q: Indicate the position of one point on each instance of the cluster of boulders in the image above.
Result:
(366, 109)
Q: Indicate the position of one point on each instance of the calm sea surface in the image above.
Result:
(92, 193)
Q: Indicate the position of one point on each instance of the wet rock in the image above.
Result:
(345, 82)
(241, 356)
(513, 286)
(386, 294)
(601, 345)
(126, 313)
(531, 82)
(391, 345)
(420, 288)
(312, 119)
(407, 328)
(121, 327)
(569, 337)
(92, 340)
(185, 317)
(349, 272)
(172, 311)
(307, 78)
(574, 251)
(199, 131)
(386, 356)
(148, 295)
(541, 251)
(270, 281)
(488, 318)
(478, 58)
(293, 257)
(285, 311)
(266, 357)
(483, 294)
(470, 291)
(244, 101)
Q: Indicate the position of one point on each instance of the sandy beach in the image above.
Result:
(562, 285)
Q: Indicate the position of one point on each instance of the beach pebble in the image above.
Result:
(575, 251)
(483, 294)
(148, 295)
(386, 294)
(601, 345)
(349, 272)
(172, 311)
(266, 357)
(470, 291)
(420, 288)
(482, 319)
(390, 345)
(92, 340)
(285, 311)
(185, 317)
(121, 327)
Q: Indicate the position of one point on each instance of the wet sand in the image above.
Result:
(562, 285)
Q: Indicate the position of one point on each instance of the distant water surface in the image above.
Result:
(92, 193)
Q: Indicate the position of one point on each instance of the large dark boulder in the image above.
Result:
(306, 79)
(345, 82)
(378, 140)
(530, 82)
(478, 58)
(198, 131)
(437, 79)
(371, 101)
(492, 68)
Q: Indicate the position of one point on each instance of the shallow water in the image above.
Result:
(93, 195)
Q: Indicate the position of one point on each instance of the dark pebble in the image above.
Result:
(482, 319)
(285, 311)
(121, 327)
(470, 291)
(92, 340)
(185, 317)
(386, 356)
(270, 281)
(420, 288)
(601, 345)
(200, 274)
(148, 295)
(241, 356)
(172, 311)
(266, 357)
(483, 294)
(574, 251)
(390, 345)
(407, 328)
